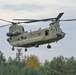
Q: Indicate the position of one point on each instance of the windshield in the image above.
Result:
(60, 30)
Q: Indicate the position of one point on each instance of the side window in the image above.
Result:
(46, 32)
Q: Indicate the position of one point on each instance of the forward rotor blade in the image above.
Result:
(68, 20)
(24, 19)
(6, 21)
(13, 23)
(5, 25)
(48, 19)
(33, 20)
(59, 16)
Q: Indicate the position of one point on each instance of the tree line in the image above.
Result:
(32, 66)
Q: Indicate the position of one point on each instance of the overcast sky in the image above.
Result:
(38, 9)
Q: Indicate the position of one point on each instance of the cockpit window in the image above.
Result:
(60, 30)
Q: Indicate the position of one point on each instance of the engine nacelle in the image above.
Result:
(13, 34)
(9, 34)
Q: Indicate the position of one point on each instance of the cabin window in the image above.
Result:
(10, 38)
(47, 32)
(18, 39)
(25, 37)
(7, 39)
(21, 37)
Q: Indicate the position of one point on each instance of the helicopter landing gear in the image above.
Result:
(36, 45)
(25, 49)
(13, 48)
(48, 46)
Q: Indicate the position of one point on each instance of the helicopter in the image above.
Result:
(18, 37)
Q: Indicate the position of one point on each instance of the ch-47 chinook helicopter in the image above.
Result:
(17, 37)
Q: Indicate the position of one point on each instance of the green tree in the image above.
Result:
(31, 71)
(57, 66)
(45, 68)
(2, 58)
(70, 66)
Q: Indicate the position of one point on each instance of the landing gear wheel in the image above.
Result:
(25, 49)
(48, 46)
(36, 45)
(12, 48)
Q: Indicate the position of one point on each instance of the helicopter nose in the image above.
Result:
(61, 35)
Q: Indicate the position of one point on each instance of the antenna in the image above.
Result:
(19, 54)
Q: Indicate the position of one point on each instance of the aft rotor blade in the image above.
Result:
(59, 16)
(69, 20)
(5, 25)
